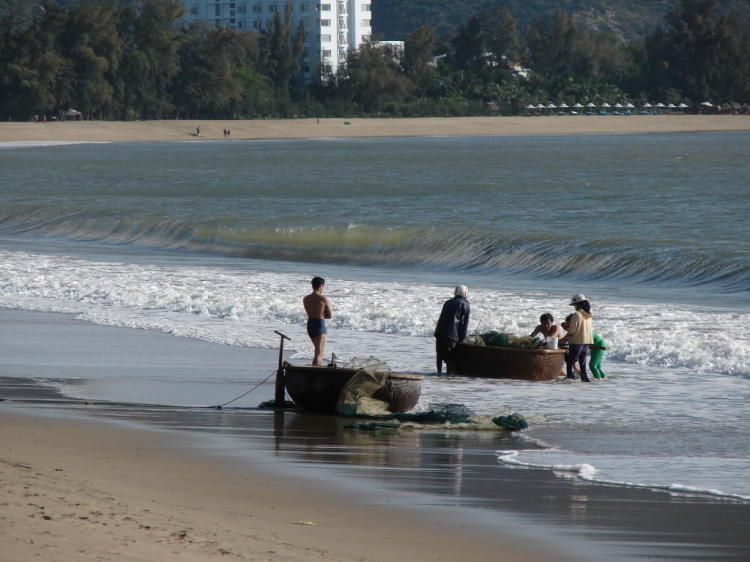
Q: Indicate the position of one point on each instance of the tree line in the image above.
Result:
(118, 61)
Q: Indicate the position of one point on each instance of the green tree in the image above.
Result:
(283, 48)
(695, 52)
(501, 35)
(419, 65)
(34, 76)
(91, 43)
(150, 59)
(371, 77)
(206, 82)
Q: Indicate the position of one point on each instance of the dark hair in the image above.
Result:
(317, 282)
(568, 318)
(585, 305)
(546, 316)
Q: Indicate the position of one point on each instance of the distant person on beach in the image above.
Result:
(579, 336)
(225, 133)
(452, 325)
(547, 327)
(318, 310)
(198, 131)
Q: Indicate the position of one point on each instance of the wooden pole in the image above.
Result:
(279, 396)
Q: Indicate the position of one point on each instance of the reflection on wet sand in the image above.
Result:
(453, 469)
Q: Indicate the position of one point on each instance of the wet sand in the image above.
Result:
(74, 491)
(129, 131)
(91, 482)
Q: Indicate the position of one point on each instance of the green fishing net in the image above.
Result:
(500, 339)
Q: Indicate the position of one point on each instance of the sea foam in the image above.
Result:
(239, 307)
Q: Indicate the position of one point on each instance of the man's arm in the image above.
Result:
(464, 327)
(328, 309)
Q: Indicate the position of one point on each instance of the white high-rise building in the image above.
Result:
(332, 27)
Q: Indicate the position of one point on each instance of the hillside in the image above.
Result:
(625, 18)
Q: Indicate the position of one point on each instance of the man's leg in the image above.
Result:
(438, 356)
(320, 348)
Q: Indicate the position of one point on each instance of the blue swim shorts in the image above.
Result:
(316, 327)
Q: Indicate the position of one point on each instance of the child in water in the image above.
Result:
(595, 363)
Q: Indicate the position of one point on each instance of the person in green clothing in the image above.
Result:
(595, 363)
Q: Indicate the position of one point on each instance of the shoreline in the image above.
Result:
(236, 483)
(299, 129)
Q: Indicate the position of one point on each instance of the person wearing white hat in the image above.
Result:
(579, 336)
(453, 324)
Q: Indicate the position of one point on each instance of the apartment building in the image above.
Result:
(332, 27)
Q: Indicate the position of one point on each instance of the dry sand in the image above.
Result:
(72, 491)
(118, 131)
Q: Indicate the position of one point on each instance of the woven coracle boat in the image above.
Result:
(318, 388)
(506, 362)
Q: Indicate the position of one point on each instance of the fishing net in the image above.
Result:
(500, 339)
(447, 416)
(356, 398)
(370, 363)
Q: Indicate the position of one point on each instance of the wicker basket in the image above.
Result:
(506, 362)
(318, 388)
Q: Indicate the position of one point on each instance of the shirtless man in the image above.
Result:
(318, 310)
(547, 328)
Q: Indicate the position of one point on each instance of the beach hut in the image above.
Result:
(682, 107)
(540, 107)
(618, 107)
(671, 107)
(577, 107)
(590, 106)
(490, 108)
(660, 106)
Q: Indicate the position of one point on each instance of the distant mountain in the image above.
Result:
(626, 19)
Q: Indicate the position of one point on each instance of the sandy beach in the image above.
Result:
(73, 491)
(105, 131)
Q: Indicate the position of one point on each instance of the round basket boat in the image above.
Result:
(506, 362)
(318, 388)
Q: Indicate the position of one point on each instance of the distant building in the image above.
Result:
(332, 27)
(396, 46)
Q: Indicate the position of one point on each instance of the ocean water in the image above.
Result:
(218, 241)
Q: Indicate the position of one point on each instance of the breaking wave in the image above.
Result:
(663, 262)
